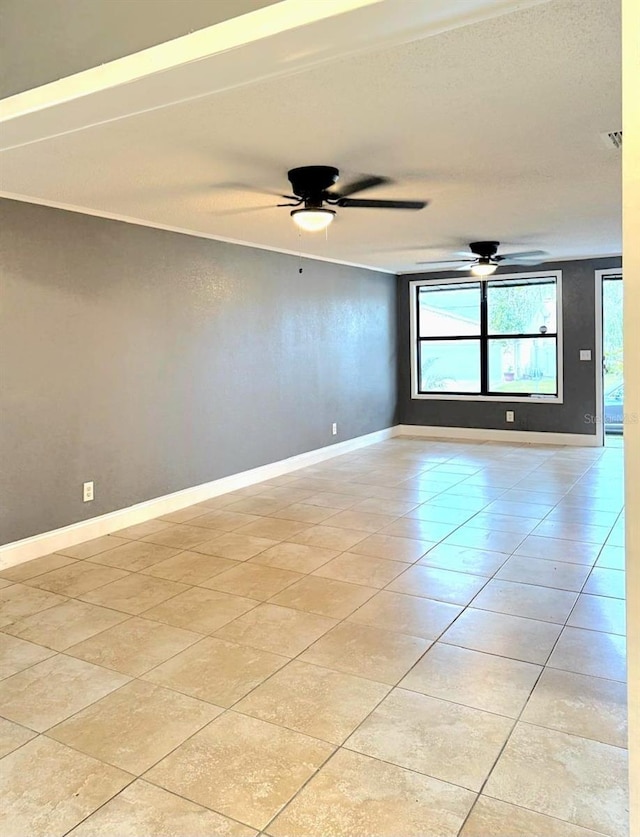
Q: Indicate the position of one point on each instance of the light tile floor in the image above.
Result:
(418, 639)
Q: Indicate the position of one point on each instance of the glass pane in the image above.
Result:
(450, 366)
(523, 365)
(449, 310)
(522, 308)
(612, 355)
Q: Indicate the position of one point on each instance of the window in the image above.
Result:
(496, 339)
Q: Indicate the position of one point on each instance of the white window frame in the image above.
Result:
(532, 399)
(607, 273)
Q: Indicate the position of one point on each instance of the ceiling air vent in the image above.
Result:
(612, 139)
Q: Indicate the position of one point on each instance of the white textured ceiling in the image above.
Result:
(496, 123)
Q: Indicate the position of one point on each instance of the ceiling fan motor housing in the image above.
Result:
(485, 249)
(311, 182)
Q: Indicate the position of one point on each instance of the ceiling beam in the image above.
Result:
(284, 38)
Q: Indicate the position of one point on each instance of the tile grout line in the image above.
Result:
(396, 685)
(518, 719)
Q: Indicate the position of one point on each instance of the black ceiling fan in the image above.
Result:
(486, 259)
(312, 195)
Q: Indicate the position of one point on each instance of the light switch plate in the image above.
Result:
(585, 354)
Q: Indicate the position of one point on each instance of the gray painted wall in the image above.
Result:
(45, 40)
(578, 308)
(150, 361)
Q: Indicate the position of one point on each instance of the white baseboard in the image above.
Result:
(480, 434)
(34, 547)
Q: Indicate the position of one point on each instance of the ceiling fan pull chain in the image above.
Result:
(299, 251)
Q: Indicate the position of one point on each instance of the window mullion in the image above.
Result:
(453, 325)
(484, 343)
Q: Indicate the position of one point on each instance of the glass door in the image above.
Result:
(612, 355)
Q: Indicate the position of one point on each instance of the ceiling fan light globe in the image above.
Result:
(313, 220)
(483, 269)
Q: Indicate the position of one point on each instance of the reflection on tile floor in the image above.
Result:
(421, 638)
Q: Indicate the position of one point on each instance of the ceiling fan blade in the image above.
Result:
(524, 256)
(523, 262)
(360, 185)
(373, 204)
(447, 261)
(246, 209)
(246, 187)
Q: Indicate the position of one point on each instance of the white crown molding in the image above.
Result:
(551, 260)
(141, 222)
(34, 547)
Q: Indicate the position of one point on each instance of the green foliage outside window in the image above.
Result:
(517, 309)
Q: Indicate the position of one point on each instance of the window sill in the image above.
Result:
(488, 398)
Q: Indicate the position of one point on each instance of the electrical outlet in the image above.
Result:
(334, 429)
(585, 354)
(87, 492)
(510, 415)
